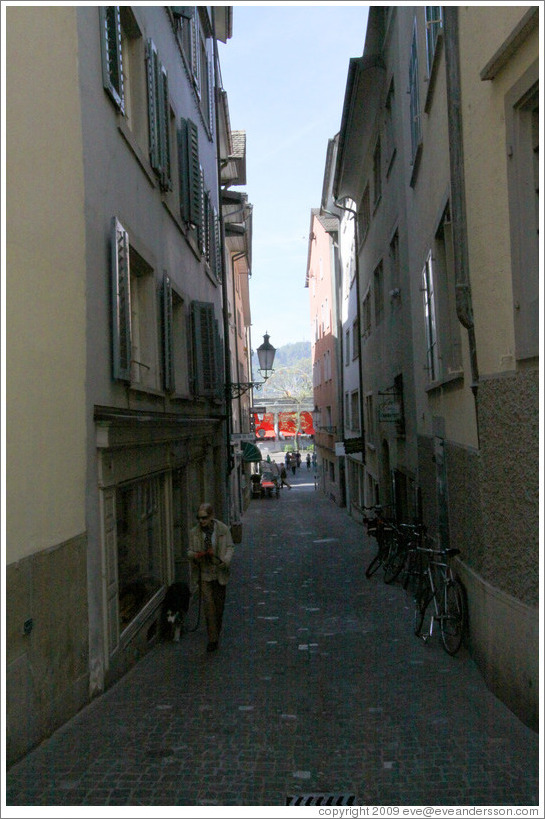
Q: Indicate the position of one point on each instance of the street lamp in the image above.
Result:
(265, 355)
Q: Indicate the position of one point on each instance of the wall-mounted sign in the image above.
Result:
(353, 445)
(390, 411)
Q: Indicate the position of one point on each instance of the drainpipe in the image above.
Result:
(464, 306)
(227, 358)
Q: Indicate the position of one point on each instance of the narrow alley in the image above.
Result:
(319, 687)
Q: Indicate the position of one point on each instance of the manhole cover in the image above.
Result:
(321, 799)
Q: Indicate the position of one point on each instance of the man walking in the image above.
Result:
(210, 553)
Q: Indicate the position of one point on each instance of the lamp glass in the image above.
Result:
(265, 355)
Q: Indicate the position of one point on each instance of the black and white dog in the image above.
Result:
(175, 608)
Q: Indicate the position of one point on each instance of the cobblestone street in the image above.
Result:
(319, 686)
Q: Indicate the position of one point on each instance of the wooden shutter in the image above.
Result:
(153, 105)
(164, 121)
(168, 360)
(211, 95)
(204, 346)
(190, 173)
(121, 302)
(218, 250)
(112, 62)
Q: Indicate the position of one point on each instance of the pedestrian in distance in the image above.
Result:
(298, 458)
(210, 553)
(283, 476)
(293, 464)
(308, 460)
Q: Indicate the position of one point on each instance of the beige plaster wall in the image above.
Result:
(45, 244)
(482, 32)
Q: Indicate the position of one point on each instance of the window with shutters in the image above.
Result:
(112, 58)
(207, 352)
(355, 411)
(442, 325)
(124, 68)
(193, 32)
(434, 26)
(144, 357)
(134, 314)
(414, 104)
(158, 116)
(430, 324)
(175, 342)
(355, 340)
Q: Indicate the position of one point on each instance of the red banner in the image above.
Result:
(287, 424)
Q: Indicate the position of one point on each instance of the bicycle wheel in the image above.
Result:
(395, 560)
(453, 616)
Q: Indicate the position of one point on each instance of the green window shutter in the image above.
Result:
(164, 129)
(211, 95)
(183, 137)
(204, 347)
(190, 172)
(195, 199)
(112, 62)
(168, 360)
(218, 250)
(153, 105)
(121, 302)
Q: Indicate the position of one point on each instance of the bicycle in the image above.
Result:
(437, 583)
(402, 542)
(381, 529)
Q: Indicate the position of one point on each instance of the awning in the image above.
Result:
(250, 453)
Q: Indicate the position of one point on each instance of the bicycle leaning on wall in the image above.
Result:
(439, 597)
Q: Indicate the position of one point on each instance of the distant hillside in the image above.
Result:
(290, 355)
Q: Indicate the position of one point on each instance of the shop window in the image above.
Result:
(140, 509)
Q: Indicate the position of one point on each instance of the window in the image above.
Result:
(366, 315)
(522, 120)
(389, 129)
(347, 347)
(416, 132)
(112, 58)
(133, 59)
(144, 369)
(141, 559)
(332, 472)
(193, 39)
(377, 174)
(434, 25)
(432, 360)
(135, 358)
(355, 410)
(364, 215)
(448, 326)
(347, 421)
(175, 344)
(158, 116)
(355, 341)
(378, 279)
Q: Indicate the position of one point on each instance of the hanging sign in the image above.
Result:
(390, 411)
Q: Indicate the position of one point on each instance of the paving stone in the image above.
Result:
(319, 685)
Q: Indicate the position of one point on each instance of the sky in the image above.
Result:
(284, 71)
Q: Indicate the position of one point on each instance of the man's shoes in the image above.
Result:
(212, 646)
